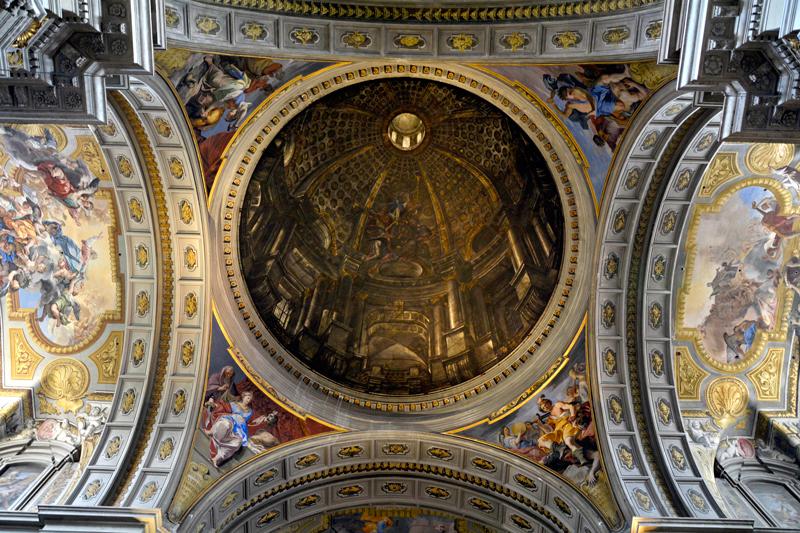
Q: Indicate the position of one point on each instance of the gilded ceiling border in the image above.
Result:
(228, 192)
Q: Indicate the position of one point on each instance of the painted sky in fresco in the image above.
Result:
(616, 92)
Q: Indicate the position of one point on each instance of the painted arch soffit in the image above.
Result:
(253, 337)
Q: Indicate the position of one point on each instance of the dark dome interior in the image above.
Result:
(401, 271)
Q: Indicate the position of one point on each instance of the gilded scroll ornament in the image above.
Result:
(642, 499)
(172, 18)
(207, 25)
(350, 451)
(612, 266)
(143, 94)
(267, 518)
(409, 41)
(762, 156)
(704, 142)
(521, 522)
(677, 457)
(190, 307)
(620, 219)
(723, 168)
(88, 150)
(657, 363)
(186, 212)
(187, 353)
(525, 481)
(632, 179)
(395, 449)
(669, 222)
(23, 38)
(440, 453)
(689, 375)
(673, 110)
(664, 411)
(615, 409)
(15, 58)
(45, 407)
(483, 464)
(698, 501)
(653, 31)
(108, 358)
(766, 377)
(66, 381)
(308, 501)
(394, 488)
(195, 481)
(352, 490)
(24, 360)
(683, 181)
(726, 398)
(109, 129)
(649, 140)
(355, 39)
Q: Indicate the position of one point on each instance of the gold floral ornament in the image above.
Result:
(394, 487)
(266, 476)
(187, 214)
(567, 39)
(307, 460)
(254, 31)
(521, 522)
(483, 464)
(350, 451)
(207, 25)
(179, 404)
(108, 358)
(128, 401)
(92, 490)
(187, 353)
(191, 258)
(619, 220)
(657, 363)
(690, 376)
(143, 94)
(610, 361)
(176, 168)
(166, 449)
(664, 411)
(649, 140)
(668, 222)
(616, 35)
(150, 490)
(608, 315)
(615, 409)
(142, 304)
(137, 352)
(762, 156)
(136, 210)
(677, 457)
(642, 499)
(109, 129)
(481, 505)
(229, 499)
(172, 18)
(463, 42)
(267, 518)
(440, 453)
(141, 256)
(66, 381)
(659, 267)
(726, 398)
(516, 40)
(766, 377)
(124, 166)
(163, 127)
(561, 504)
(684, 178)
(45, 407)
(355, 39)
(191, 305)
(705, 142)
(525, 482)
(656, 315)
(626, 457)
(698, 501)
(353, 490)
(395, 449)
(673, 110)
(653, 31)
(409, 41)
(308, 501)
(15, 58)
(612, 266)
(113, 447)
(304, 36)
(437, 492)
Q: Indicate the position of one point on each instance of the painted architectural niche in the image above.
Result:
(401, 269)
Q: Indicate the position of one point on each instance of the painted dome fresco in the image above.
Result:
(401, 237)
